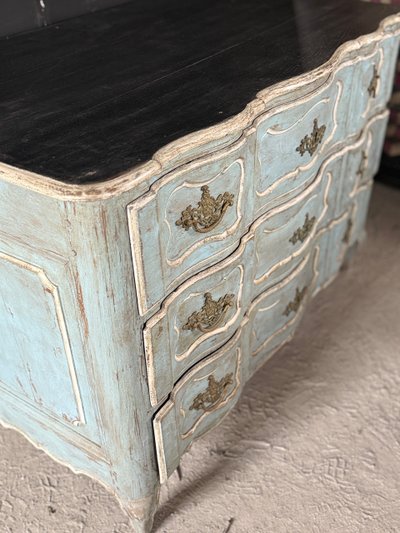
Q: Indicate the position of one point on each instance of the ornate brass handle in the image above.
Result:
(214, 394)
(347, 233)
(363, 165)
(310, 143)
(302, 233)
(373, 86)
(294, 305)
(208, 213)
(211, 314)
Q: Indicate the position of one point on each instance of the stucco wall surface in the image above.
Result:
(313, 446)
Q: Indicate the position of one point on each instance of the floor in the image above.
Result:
(312, 446)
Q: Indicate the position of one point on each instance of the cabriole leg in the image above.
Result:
(141, 512)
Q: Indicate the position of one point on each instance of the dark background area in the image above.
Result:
(22, 15)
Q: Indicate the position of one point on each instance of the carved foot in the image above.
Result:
(141, 512)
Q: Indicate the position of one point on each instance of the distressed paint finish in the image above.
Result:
(266, 158)
(87, 267)
(186, 347)
(177, 253)
(269, 323)
(178, 423)
(35, 341)
(251, 269)
(114, 278)
(381, 60)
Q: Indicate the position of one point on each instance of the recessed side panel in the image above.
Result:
(36, 362)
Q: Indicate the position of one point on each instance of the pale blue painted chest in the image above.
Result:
(133, 311)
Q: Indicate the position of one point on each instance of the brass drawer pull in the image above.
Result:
(295, 304)
(347, 233)
(214, 394)
(310, 143)
(302, 233)
(373, 86)
(211, 314)
(363, 165)
(209, 212)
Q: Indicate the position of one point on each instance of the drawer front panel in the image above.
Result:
(198, 403)
(197, 319)
(206, 393)
(189, 326)
(362, 161)
(284, 236)
(359, 214)
(190, 220)
(341, 231)
(275, 313)
(372, 82)
(292, 142)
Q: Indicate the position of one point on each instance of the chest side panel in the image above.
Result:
(37, 362)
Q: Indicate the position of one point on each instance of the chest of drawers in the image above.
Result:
(133, 309)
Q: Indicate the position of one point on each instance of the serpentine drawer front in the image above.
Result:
(207, 309)
(198, 402)
(167, 215)
(292, 142)
(200, 209)
(190, 219)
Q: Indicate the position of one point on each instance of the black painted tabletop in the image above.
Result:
(94, 96)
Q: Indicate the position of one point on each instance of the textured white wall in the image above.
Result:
(313, 445)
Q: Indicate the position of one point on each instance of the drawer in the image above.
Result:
(362, 161)
(372, 82)
(339, 235)
(196, 320)
(274, 314)
(356, 230)
(206, 310)
(190, 219)
(207, 392)
(336, 241)
(284, 236)
(293, 140)
(197, 404)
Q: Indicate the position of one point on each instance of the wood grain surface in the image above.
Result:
(96, 95)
